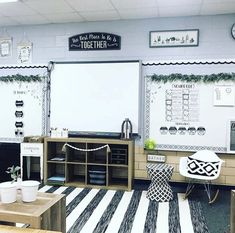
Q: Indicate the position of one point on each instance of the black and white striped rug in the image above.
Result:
(110, 211)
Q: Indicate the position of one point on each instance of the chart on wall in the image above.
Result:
(95, 96)
(188, 115)
(23, 105)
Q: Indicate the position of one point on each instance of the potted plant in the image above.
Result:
(15, 173)
(29, 190)
(149, 144)
(8, 190)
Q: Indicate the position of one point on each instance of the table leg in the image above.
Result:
(28, 162)
(55, 218)
(35, 222)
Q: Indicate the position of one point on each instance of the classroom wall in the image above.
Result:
(50, 43)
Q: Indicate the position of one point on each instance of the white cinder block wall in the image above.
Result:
(50, 43)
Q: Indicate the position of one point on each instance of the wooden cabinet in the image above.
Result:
(28, 152)
(89, 162)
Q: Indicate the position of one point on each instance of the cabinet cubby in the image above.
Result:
(89, 162)
(76, 155)
(76, 173)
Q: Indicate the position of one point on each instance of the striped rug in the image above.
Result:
(110, 211)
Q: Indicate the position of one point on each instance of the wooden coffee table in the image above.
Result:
(47, 212)
(11, 229)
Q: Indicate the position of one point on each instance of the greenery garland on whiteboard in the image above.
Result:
(211, 78)
(21, 78)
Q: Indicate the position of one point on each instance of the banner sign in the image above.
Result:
(94, 41)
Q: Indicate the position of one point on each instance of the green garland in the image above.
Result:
(21, 78)
(211, 78)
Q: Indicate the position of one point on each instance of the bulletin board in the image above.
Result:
(22, 105)
(189, 115)
(95, 96)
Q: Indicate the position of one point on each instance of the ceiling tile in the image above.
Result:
(31, 19)
(178, 3)
(217, 8)
(90, 5)
(138, 13)
(100, 15)
(15, 9)
(132, 4)
(49, 6)
(179, 11)
(217, 1)
(63, 11)
(64, 17)
(7, 21)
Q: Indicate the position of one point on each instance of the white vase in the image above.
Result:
(29, 190)
(8, 192)
(18, 183)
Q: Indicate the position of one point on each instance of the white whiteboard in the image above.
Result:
(95, 97)
(174, 109)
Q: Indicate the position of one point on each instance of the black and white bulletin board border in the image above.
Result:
(151, 67)
(24, 92)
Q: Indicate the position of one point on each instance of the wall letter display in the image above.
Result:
(94, 41)
(188, 116)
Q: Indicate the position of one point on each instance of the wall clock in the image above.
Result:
(233, 31)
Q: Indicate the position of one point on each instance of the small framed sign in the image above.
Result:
(224, 95)
(174, 38)
(24, 52)
(94, 41)
(5, 47)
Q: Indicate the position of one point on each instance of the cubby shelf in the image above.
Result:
(83, 165)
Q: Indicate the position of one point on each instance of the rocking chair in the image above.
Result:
(203, 166)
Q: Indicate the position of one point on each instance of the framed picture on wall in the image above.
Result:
(174, 38)
(5, 47)
(24, 52)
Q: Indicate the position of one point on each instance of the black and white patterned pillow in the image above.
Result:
(202, 168)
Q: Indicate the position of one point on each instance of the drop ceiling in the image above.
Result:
(27, 12)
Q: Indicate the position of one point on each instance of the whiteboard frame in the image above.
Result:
(140, 92)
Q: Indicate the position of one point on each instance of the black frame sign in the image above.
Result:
(94, 41)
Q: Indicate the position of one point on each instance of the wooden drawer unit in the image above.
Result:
(119, 156)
